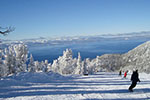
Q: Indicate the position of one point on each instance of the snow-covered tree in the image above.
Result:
(49, 67)
(55, 66)
(46, 62)
(31, 66)
(43, 66)
(21, 53)
(64, 64)
(37, 66)
(6, 30)
(3, 68)
(92, 66)
(86, 66)
(79, 68)
(10, 60)
(15, 58)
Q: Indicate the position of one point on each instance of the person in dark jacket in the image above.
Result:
(134, 79)
(120, 73)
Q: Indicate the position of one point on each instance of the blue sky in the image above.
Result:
(54, 18)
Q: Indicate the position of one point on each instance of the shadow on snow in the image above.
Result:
(66, 92)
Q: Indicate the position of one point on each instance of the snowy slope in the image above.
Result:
(138, 58)
(52, 86)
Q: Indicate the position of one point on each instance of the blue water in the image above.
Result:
(87, 50)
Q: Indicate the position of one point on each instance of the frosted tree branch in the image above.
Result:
(6, 30)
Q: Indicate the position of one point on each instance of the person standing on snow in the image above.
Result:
(125, 74)
(134, 79)
(120, 73)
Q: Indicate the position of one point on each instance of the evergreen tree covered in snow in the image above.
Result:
(31, 66)
(86, 66)
(43, 66)
(3, 67)
(10, 60)
(55, 66)
(79, 69)
(15, 58)
(64, 64)
(21, 53)
(37, 66)
(47, 66)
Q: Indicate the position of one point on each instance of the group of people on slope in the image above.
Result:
(134, 79)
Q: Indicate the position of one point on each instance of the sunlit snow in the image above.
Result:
(52, 86)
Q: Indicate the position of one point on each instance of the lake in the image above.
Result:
(87, 49)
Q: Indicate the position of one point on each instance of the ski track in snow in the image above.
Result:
(101, 86)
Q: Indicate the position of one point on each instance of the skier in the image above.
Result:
(125, 74)
(120, 73)
(134, 79)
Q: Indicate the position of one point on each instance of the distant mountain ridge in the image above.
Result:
(74, 39)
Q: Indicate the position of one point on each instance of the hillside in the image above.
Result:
(138, 58)
(108, 62)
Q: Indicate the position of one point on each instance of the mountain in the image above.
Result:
(138, 58)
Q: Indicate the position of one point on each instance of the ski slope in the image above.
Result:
(52, 86)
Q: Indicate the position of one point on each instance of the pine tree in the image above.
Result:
(43, 66)
(55, 66)
(78, 69)
(3, 68)
(47, 66)
(31, 66)
(85, 66)
(9, 60)
(64, 64)
(21, 53)
(37, 66)
(15, 57)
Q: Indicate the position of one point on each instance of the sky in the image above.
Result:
(57, 18)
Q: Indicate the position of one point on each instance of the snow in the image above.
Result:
(53, 86)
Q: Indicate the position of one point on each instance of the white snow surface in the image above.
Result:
(53, 86)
